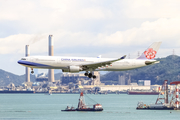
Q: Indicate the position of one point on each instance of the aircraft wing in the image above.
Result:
(100, 64)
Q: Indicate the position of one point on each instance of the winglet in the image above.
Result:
(123, 57)
(151, 52)
(99, 56)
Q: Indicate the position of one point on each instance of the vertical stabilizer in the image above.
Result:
(150, 53)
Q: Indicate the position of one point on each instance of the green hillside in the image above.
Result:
(167, 69)
(7, 77)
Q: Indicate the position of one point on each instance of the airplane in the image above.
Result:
(89, 64)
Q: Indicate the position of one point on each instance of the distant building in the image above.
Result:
(96, 81)
(42, 78)
(144, 82)
(133, 84)
(11, 86)
(35, 84)
(141, 82)
(129, 80)
(121, 80)
(147, 82)
(72, 77)
(124, 79)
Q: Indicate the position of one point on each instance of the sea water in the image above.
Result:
(48, 107)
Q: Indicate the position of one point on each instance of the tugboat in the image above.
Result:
(83, 107)
(69, 109)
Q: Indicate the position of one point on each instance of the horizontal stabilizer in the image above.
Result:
(150, 62)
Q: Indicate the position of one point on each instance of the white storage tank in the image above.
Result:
(147, 82)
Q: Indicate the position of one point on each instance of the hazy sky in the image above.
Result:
(110, 28)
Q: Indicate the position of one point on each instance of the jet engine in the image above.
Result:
(72, 69)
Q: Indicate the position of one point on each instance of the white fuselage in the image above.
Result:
(60, 62)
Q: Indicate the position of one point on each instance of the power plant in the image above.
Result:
(28, 82)
(51, 53)
(27, 69)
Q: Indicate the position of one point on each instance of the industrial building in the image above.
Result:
(42, 78)
(144, 82)
(124, 79)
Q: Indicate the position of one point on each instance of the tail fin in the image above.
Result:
(151, 52)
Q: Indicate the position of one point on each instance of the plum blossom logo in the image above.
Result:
(150, 53)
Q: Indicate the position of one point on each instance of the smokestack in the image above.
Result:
(27, 69)
(51, 53)
(51, 45)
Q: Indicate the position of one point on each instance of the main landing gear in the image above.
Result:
(32, 71)
(90, 75)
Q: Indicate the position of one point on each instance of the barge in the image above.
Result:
(83, 107)
(162, 102)
(6, 92)
(143, 93)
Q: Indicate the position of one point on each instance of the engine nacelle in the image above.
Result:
(72, 69)
(65, 70)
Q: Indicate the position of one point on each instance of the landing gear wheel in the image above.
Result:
(94, 76)
(32, 72)
(90, 75)
(86, 74)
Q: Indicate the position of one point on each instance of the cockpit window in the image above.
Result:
(23, 58)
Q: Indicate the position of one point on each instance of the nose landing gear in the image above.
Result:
(86, 74)
(94, 76)
(32, 71)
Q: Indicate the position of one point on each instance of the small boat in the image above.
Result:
(69, 109)
(83, 107)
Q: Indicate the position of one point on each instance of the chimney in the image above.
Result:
(51, 53)
(27, 69)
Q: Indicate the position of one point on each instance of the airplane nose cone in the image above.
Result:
(20, 62)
